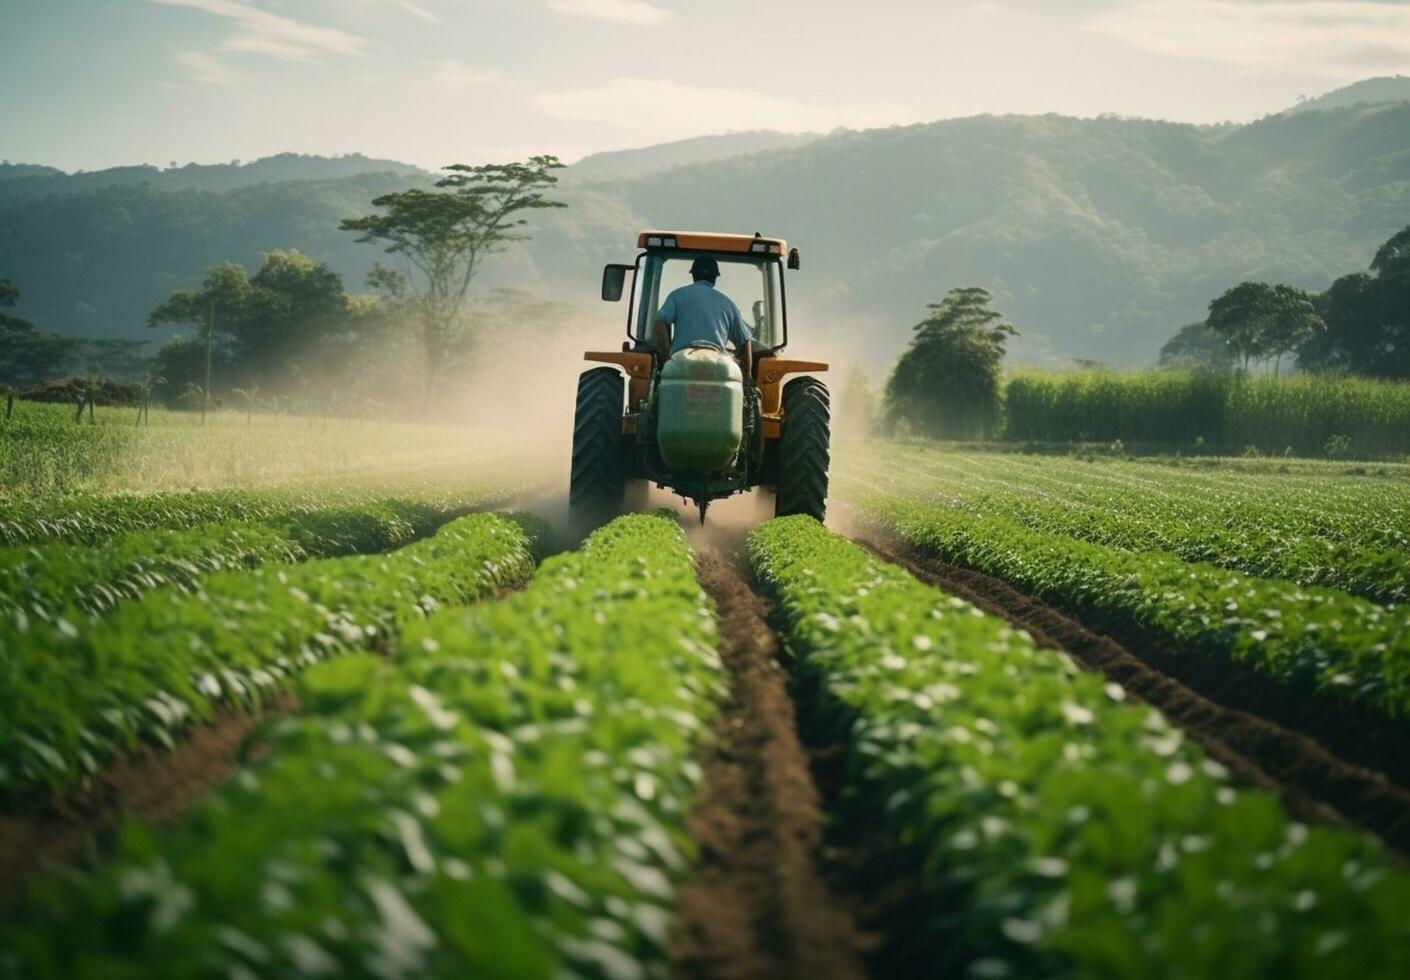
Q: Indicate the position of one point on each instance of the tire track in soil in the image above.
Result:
(1314, 783)
(152, 784)
(757, 904)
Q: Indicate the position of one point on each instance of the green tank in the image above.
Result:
(700, 422)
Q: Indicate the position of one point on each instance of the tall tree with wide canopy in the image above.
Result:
(1262, 322)
(946, 384)
(442, 237)
(214, 310)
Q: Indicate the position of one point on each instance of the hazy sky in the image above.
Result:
(92, 83)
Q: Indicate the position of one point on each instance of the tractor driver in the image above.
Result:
(703, 315)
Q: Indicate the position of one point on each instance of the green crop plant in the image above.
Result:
(504, 797)
(1056, 830)
(72, 693)
(1344, 532)
(44, 582)
(1333, 644)
(92, 518)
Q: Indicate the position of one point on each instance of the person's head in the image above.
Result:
(705, 268)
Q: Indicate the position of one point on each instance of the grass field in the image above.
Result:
(281, 701)
(43, 452)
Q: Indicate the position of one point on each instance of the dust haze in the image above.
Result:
(525, 394)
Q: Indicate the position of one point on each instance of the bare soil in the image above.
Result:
(758, 904)
(152, 784)
(1326, 764)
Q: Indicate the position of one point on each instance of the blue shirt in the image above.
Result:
(702, 314)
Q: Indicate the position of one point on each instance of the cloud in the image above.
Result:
(638, 12)
(266, 33)
(1350, 38)
(672, 110)
(254, 44)
(454, 74)
(419, 12)
(201, 67)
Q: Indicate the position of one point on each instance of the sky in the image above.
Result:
(86, 84)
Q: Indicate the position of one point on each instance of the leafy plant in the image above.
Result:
(1055, 829)
(75, 692)
(505, 797)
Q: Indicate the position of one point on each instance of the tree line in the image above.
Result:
(1359, 325)
(292, 322)
(948, 382)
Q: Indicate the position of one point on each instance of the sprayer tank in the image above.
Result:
(700, 424)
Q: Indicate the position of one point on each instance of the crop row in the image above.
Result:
(89, 518)
(1056, 829)
(1346, 534)
(505, 797)
(73, 693)
(1333, 644)
(44, 581)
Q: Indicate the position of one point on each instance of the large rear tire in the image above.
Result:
(596, 483)
(804, 451)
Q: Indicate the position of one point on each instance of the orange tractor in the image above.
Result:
(696, 424)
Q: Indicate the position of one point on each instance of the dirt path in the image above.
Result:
(1247, 729)
(758, 904)
(152, 784)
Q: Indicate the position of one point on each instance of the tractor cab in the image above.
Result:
(695, 423)
(751, 274)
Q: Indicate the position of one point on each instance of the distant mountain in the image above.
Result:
(1098, 237)
(30, 181)
(10, 171)
(1368, 91)
(630, 164)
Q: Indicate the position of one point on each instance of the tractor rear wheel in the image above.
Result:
(596, 484)
(804, 449)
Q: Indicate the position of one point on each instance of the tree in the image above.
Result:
(946, 383)
(1260, 322)
(1196, 346)
(1238, 316)
(1367, 317)
(213, 309)
(442, 237)
(1349, 342)
(293, 304)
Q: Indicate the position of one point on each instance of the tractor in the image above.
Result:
(695, 424)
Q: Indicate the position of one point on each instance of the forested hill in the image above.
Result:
(630, 164)
(1099, 237)
(1368, 91)
(30, 181)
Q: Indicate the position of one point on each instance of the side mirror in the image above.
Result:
(793, 258)
(614, 277)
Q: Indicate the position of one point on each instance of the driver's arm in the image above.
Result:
(743, 342)
(661, 337)
(661, 329)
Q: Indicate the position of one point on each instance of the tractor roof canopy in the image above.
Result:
(708, 241)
